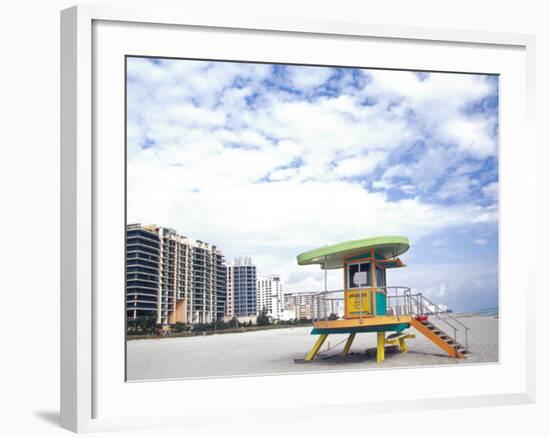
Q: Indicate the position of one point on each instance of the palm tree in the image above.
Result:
(262, 318)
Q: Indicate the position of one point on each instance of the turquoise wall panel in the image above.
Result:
(380, 304)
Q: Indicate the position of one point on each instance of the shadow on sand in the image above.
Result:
(355, 357)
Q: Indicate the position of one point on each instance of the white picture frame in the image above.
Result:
(83, 370)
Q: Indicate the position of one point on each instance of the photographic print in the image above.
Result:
(296, 218)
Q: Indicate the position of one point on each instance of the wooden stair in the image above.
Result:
(440, 338)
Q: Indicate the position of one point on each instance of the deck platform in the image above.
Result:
(363, 325)
(362, 322)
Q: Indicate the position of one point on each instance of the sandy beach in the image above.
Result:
(275, 351)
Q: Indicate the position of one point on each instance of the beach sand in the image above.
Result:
(274, 351)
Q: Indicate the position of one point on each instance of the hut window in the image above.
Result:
(359, 275)
(380, 277)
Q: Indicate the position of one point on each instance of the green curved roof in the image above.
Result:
(335, 255)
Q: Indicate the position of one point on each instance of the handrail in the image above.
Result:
(446, 313)
(324, 292)
(419, 300)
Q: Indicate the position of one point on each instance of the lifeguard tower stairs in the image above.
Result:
(430, 321)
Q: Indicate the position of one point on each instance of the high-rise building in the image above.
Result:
(174, 277)
(270, 296)
(241, 288)
(142, 272)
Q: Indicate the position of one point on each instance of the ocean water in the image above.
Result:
(491, 311)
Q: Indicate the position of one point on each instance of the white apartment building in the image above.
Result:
(270, 296)
(304, 305)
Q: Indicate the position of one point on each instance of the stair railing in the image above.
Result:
(428, 307)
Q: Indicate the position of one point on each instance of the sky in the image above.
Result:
(269, 161)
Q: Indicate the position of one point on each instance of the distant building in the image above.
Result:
(241, 288)
(305, 306)
(297, 311)
(174, 277)
(270, 296)
(289, 313)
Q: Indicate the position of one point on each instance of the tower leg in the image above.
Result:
(402, 345)
(315, 348)
(380, 346)
(351, 337)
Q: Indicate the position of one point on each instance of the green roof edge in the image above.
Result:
(305, 257)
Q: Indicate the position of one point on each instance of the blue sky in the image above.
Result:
(268, 161)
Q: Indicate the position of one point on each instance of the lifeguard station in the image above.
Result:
(370, 305)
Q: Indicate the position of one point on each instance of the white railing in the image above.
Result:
(400, 301)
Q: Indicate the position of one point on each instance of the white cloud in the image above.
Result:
(481, 241)
(361, 165)
(456, 187)
(308, 77)
(491, 190)
(423, 173)
(439, 242)
(439, 104)
(473, 135)
(283, 174)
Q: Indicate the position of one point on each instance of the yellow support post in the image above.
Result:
(351, 337)
(402, 345)
(380, 347)
(315, 348)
